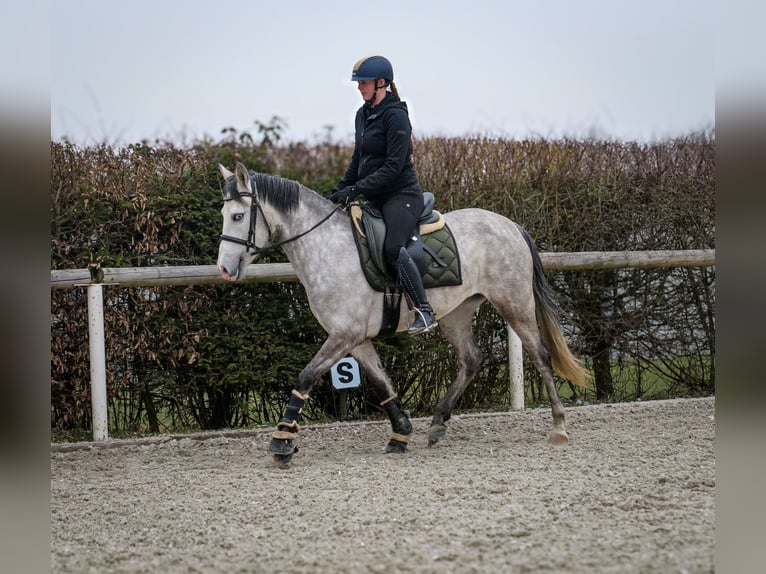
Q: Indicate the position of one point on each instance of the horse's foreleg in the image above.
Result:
(400, 425)
(282, 444)
(400, 422)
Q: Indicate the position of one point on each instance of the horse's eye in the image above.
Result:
(238, 216)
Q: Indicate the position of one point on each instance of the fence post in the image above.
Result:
(97, 361)
(516, 370)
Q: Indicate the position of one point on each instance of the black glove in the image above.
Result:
(344, 196)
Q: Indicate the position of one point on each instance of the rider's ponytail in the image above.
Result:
(394, 91)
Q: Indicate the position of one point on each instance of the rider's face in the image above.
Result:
(366, 88)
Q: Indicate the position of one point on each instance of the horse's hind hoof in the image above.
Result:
(558, 438)
(396, 446)
(436, 433)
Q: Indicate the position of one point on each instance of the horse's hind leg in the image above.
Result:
(400, 422)
(524, 323)
(542, 360)
(456, 328)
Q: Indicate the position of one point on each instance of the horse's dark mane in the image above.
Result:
(282, 194)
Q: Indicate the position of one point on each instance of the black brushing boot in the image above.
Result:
(400, 425)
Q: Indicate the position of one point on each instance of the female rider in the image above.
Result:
(381, 170)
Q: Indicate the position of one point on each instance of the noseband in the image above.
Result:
(255, 208)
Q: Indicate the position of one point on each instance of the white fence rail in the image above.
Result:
(96, 279)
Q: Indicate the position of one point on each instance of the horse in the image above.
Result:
(499, 263)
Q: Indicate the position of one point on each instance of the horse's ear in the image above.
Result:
(243, 178)
(225, 173)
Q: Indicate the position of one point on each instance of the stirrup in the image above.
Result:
(421, 324)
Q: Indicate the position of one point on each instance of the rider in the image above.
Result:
(381, 169)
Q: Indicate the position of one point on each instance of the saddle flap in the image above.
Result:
(375, 232)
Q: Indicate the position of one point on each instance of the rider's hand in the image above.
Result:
(344, 196)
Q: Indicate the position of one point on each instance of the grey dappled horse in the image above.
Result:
(499, 263)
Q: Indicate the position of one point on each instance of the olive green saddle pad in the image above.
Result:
(442, 260)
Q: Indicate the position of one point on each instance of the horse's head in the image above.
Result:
(240, 234)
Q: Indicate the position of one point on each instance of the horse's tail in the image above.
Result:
(547, 312)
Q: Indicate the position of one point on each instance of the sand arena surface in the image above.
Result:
(634, 491)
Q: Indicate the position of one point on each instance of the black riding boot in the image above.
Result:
(410, 278)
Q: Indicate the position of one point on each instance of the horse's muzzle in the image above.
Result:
(225, 274)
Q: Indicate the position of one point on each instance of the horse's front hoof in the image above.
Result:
(396, 446)
(283, 451)
(436, 433)
(283, 460)
(282, 447)
(558, 437)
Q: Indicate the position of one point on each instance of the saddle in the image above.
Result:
(432, 247)
(370, 225)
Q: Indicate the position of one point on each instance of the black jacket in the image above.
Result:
(382, 161)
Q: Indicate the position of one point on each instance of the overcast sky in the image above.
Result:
(122, 72)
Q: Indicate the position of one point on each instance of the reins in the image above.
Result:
(291, 239)
(255, 207)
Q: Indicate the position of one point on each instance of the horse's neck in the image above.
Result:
(327, 248)
(294, 222)
(310, 213)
